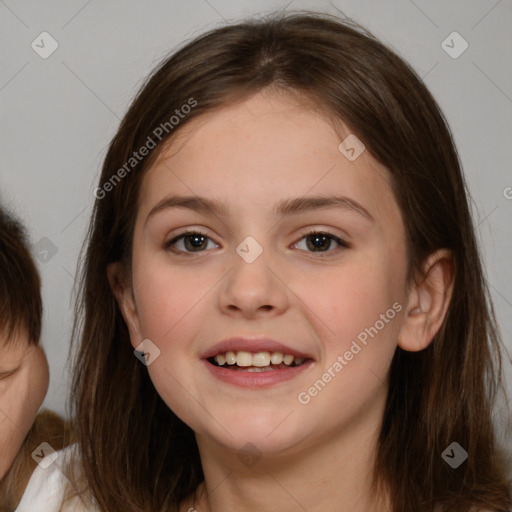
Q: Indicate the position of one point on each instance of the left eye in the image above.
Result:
(189, 242)
(318, 241)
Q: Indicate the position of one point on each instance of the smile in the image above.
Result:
(256, 370)
(257, 362)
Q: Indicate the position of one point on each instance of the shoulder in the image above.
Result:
(48, 485)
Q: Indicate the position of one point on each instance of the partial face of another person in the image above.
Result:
(252, 269)
(24, 378)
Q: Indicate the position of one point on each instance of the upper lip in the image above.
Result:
(252, 345)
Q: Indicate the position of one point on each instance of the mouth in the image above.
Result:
(264, 361)
(255, 363)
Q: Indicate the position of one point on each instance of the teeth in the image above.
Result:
(243, 358)
(230, 358)
(276, 358)
(288, 359)
(258, 360)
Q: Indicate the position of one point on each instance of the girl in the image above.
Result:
(283, 305)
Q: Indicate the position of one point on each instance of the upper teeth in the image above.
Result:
(260, 359)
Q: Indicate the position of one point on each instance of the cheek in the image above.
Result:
(33, 392)
(166, 299)
(360, 320)
(358, 315)
(172, 304)
(353, 298)
(19, 406)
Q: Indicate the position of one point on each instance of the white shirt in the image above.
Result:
(48, 486)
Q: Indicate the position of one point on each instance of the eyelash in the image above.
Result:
(168, 245)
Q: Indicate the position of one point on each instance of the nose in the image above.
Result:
(253, 289)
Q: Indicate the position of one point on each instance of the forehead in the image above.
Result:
(265, 148)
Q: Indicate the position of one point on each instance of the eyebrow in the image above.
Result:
(283, 207)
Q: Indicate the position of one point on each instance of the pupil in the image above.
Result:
(194, 241)
(319, 241)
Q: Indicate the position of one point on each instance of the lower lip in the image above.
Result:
(256, 379)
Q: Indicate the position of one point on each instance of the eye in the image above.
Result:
(191, 241)
(5, 375)
(320, 241)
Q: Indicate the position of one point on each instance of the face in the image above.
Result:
(24, 381)
(251, 272)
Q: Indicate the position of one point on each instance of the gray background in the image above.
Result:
(59, 114)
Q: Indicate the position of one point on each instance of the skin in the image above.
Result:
(252, 155)
(24, 379)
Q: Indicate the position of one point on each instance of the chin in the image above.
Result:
(267, 434)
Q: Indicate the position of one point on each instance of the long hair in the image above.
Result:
(136, 453)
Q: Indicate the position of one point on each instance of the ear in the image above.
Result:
(123, 293)
(428, 302)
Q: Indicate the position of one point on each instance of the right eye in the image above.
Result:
(189, 242)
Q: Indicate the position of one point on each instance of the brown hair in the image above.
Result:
(20, 286)
(137, 454)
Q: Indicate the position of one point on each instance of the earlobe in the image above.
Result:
(125, 300)
(428, 302)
